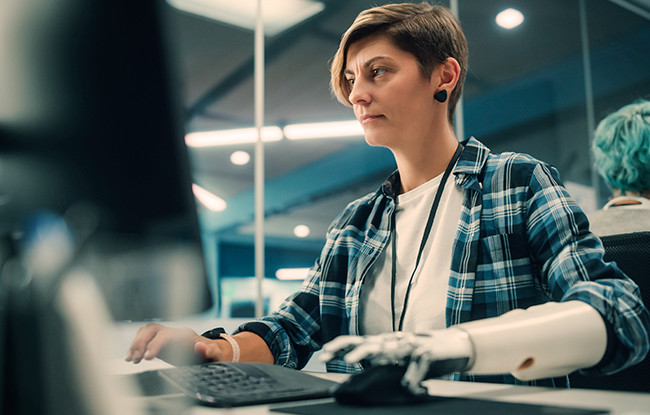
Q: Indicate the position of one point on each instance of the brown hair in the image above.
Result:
(430, 33)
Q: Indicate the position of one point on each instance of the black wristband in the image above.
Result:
(214, 333)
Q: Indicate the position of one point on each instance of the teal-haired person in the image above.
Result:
(621, 150)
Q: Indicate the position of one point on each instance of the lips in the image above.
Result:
(368, 118)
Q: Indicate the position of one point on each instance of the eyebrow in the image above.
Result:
(367, 63)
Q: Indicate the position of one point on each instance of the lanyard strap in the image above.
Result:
(427, 230)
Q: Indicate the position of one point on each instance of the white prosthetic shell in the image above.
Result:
(547, 340)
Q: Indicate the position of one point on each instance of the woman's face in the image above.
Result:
(391, 98)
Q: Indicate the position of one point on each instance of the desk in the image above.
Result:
(619, 403)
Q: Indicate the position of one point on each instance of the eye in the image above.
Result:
(350, 81)
(378, 71)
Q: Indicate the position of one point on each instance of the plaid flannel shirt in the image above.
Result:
(521, 241)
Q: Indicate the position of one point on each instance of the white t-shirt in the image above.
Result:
(427, 299)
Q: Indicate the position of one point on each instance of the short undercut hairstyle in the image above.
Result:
(430, 33)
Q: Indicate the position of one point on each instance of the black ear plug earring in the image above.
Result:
(440, 96)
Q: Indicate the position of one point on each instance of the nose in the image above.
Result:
(359, 94)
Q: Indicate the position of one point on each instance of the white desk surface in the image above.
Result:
(619, 403)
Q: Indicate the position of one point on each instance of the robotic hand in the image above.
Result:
(426, 355)
(547, 340)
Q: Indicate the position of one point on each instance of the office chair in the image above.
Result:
(631, 252)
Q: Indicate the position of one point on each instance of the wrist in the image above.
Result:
(235, 354)
(220, 334)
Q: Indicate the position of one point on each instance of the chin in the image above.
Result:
(376, 141)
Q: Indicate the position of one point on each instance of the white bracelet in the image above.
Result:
(233, 344)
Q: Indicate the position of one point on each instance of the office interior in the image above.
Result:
(539, 88)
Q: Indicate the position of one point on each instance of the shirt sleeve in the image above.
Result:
(572, 266)
(292, 331)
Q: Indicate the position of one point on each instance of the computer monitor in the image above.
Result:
(91, 130)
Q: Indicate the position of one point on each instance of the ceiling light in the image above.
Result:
(278, 15)
(510, 18)
(323, 130)
(240, 158)
(227, 137)
(292, 273)
(209, 200)
(301, 231)
(291, 132)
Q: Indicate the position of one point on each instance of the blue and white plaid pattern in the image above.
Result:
(521, 241)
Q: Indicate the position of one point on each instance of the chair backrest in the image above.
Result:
(631, 252)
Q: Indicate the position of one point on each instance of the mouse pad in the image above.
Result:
(439, 406)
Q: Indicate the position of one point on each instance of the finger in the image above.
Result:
(339, 347)
(342, 342)
(182, 338)
(209, 350)
(363, 351)
(416, 373)
(200, 348)
(139, 344)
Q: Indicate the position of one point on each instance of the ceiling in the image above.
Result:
(309, 182)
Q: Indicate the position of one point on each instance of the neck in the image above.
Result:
(623, 193)
(419, 164)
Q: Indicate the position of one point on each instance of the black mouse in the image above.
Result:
(378, 385)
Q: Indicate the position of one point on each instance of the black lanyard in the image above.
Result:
(427, 230)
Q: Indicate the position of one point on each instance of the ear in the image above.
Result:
(448, 74)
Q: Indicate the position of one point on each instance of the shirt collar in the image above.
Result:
(473, 159)
(619, 203)
(471, 162)
(390, 186)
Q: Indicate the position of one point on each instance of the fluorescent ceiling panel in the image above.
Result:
(229, 137)
(323, 130)
(278, 15)
(292, 273)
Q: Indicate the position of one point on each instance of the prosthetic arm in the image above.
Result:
(547, 340)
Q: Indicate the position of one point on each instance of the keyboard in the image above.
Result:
(225, 384)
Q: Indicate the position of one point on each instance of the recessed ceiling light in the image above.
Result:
(240, 158)
(301, 231)
(278, 15)
(510, 18)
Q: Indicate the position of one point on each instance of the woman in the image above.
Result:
(452, 241)
(621, 150)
